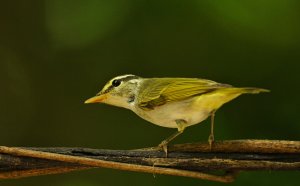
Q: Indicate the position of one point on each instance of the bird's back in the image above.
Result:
(155, 92)
(164, 100)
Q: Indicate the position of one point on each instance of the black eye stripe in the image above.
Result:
(108, 89)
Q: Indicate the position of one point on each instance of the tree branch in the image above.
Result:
(189, 160)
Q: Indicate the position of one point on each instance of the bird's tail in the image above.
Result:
(246, 90)
(223, 95)
(253, 90)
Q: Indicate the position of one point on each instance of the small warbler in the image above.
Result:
(170, 102)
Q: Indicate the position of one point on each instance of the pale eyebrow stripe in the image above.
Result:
(124, 79)
(128, 78)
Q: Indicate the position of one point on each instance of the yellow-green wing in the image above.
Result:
(159, 91)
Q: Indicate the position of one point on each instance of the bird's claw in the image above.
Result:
(164, 146)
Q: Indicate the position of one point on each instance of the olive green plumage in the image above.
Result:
(170, 102)
(159, 91)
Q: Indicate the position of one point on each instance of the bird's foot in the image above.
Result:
(164, 146)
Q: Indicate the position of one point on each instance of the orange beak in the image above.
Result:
(96, 99)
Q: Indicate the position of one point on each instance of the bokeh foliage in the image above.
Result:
(54, 54)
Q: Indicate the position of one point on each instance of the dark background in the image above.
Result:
(54, 54)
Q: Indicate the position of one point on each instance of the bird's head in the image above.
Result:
(120, 91)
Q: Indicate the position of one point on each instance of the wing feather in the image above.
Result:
(159, 91)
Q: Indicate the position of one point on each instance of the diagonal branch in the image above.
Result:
(189, 160)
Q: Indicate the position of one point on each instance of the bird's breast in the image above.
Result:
(167, 114)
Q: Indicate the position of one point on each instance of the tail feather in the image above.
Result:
(244, 90)
(253, 90)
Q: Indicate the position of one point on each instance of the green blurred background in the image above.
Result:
(54, 54)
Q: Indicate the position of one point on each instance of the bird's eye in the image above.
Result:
(116, 82)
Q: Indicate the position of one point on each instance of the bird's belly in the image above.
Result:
(167, 114)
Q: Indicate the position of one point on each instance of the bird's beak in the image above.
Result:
(96, 99)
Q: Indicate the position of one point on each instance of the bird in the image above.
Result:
(172, 102)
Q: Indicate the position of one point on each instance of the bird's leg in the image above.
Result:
(211, 137)
(181, 124)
